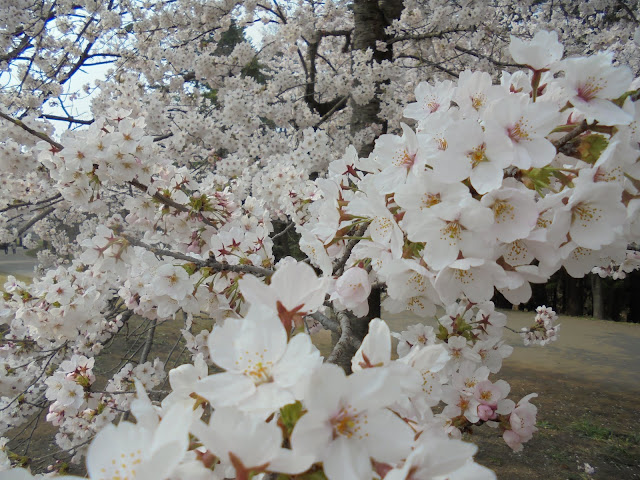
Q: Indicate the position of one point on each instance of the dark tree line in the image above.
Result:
(592, 295)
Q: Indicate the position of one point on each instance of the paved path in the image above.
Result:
(18, 264)
(596, 352)
(593, 351)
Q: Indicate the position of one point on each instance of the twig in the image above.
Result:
(210, 263)
(169, 202)
(31, 222)
(326, 322)
(286, 229)
(29, 204)
(561, 142)
(161, 252)
(148, 342)
(326, 116)
(491, 59)
(339, 266)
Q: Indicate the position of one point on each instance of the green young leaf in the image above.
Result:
(443, 333)
(591, 146)
(317, 475)
(190, 268)
(289, 415)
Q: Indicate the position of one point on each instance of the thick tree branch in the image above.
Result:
(347, 343)
(326, 322)
(338, 268)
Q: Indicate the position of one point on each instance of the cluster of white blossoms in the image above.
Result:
(544, 330)
(495, 187)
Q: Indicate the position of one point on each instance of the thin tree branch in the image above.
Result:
(210, 263)
(40, 135)
(561, 142)
(339, 266)
(29, 204)
(425, 36)
(67, 119)
(486, 57)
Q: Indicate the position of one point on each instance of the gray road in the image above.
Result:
(18, 264)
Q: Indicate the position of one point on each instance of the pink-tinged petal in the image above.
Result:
(543, 152)
(163, 462)
(255, 291)
(517, 295)
(222, 344)
(112, 443)
(225, 389)
(174, 429)
(512, 439)
(239, 345)
(293, 285)
(248, 437)
(346, 460)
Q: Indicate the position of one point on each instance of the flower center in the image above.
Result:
(477, 101)
(430, 199)
(589, 90)
(433, 106)
(518, 132)
(503, 211)
(345, 423)
(478, 155)
(259, 372)
(585, 214)
(452, 230)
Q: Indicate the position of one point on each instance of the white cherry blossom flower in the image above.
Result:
(591, 82)
(295, 290)
(524, 125)
(538, 53)
(347, 424)
(263, 371)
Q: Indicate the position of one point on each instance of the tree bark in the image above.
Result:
(574, 295)
(596, 293)
(370, 20)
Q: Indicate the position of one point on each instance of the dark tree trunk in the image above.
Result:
(371, 17)
(370, 20)
(574, 295)
(633, 289)
(596, 294)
